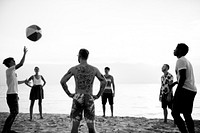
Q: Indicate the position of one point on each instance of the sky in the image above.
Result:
(133, 37)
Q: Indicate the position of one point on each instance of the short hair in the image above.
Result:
(83, 53)
(184, 48)
(36, 67)
(167, 66)
(7, 61)
(107, 68)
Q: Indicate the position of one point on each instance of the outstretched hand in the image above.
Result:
(25, 50)
(95, 97)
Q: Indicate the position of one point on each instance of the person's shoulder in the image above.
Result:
(72, 69)
(110, 76)
(95, 68)
(12, 68)
(182, 59)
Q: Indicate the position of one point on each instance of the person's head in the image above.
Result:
(36, 69)
(165, 68)
(8, 62)
(181, 50)
(107, 69)
(83, 54)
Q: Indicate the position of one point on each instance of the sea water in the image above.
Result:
(135, 100)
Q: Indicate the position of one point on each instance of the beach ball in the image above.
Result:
(33, 33)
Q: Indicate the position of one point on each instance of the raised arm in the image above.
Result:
(64, 81)
(102, 84)
(22, 60)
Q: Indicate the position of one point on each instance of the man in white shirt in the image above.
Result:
(185, 92)
(12, 92)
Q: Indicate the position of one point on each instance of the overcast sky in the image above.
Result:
(114, 31)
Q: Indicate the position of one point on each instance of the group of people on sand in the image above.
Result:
(38, 82)
(83, 98)
(182, 101)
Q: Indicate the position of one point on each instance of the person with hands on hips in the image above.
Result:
(83, 98)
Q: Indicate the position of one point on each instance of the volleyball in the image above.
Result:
(33, 33)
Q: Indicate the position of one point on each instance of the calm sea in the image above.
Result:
(137, 100)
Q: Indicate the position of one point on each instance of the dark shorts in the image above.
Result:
(165, 103)
(83, 103)
(106, 96)
(183, 101)
(36, 92)
(12, 101)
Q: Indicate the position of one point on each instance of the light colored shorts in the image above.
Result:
(83, 103)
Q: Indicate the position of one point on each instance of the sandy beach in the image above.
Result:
(60, 123)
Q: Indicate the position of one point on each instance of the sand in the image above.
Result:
(60, 123)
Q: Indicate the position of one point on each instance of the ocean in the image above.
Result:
(134, 100)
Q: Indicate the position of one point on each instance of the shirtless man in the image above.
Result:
(83, 99)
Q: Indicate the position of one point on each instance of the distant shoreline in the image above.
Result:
(60, 123)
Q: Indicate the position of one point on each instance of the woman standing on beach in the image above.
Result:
(36, 91)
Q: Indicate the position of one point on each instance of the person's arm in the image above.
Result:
(160, 95)
(102, 84)
(64, 80)
(173, 84)
(44, 82)
(23, 81)
(28, 81)
(22, 60)
(113, 84)
(182, 79)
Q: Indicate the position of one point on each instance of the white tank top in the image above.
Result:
(37, 81)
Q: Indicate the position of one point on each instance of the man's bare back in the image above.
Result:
(84, 75)
(83, 99)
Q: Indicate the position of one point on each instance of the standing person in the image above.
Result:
(166, 92)
(185, 92)
(108, 93)
(83, 99)
(12, 92)
(36, 91)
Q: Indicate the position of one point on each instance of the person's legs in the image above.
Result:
(178, 107)
(189, 122)
(164, 105)
(89, 113)
(165, 112)
(76, 112)
(75, 126)
(12, 101)
(91, 127)
(104, 110)
(8, 123)
(104, 101)
(179, 122)
(110, 100)
(188, 111)
(111, 108)
(40, 108)
(31, 109)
